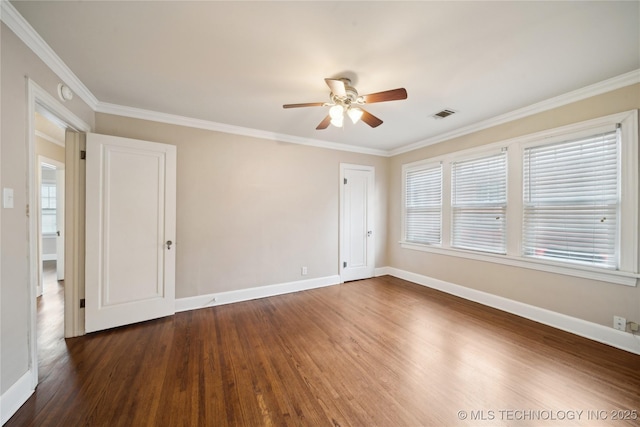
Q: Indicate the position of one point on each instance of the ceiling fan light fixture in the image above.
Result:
(337, 121)
(354, 114)
(336, 112)
(344, 98)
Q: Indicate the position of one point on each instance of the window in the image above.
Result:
(479, 203)
(48, 206)
(565, 200)
(571, 200)
(423, 204)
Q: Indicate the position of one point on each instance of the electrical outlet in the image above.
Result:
(633, 326)
(620, 323)
(303, 271)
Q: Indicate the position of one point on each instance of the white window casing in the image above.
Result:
(422, 197)
(48, 208)
(479, 203)
(571, 200)
(614, 254)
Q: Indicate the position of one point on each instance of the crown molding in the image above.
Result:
(608, 85)
(12, 18)
(25, 32)
(139, 113)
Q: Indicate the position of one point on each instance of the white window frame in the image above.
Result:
(421, 165)
(580, 136)
(627, 273)
(47, 211)
(478, 156)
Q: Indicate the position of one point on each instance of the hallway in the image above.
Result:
(51, 343)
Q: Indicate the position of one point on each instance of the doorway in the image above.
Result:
(50, 211)
(49, 121)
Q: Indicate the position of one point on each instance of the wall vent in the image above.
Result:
(442, 114)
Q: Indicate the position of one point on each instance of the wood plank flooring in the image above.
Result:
(378, 352)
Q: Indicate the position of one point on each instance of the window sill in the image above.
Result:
(610, 276)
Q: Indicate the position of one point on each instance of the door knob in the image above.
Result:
(169, 243)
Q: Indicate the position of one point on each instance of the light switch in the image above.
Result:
(7, 198)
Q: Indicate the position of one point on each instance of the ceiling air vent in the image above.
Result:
(442, 114)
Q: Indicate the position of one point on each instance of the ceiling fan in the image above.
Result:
(345, 100)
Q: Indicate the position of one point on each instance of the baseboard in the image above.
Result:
(583, 328)
(15, 397)
(381, 271)
(211, 300)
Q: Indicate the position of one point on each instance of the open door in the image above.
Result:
(130, 231)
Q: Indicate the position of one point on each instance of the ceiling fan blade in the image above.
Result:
(337, 87)
(387, 95)
(370, 119)
(324, 123)
(307, 104)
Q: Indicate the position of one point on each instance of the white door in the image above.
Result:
(130, 231)
(356, 222)
(60, 223)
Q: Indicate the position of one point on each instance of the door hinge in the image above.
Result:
(27, 211)
(83, 155)
(82, 303)
(345, 181)
(344, 264)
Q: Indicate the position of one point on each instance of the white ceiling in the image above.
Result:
(236, 63)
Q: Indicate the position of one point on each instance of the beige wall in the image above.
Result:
(582, 298)
(251, 212)
(48, 149)
(17, 62)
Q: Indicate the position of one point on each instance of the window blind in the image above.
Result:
(423, 205)
(571, 200)
(479, 203)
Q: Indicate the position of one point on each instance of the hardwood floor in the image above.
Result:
(378, 352)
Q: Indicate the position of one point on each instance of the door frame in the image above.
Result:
(370, 217)
(39, 99)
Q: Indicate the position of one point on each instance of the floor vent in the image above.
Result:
(442, 114)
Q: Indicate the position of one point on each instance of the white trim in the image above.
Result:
(12, 399)
(40, 98)
(29, 36)
(138, 113)
(16, 22)
(36, 96)
(599, 88)
(382, 271)
(612, 276)
(593, 331)
(229, 297)
(628, 273)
